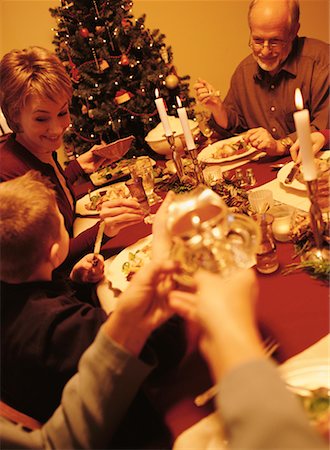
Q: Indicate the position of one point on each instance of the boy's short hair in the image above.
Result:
(29, 225)
(34, 70)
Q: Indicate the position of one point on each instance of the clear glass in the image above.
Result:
(267, 261)
(206, 234)
(203, 118)
(142, 167)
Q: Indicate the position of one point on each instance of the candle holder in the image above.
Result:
(317, 224)
(197, 168)
(176, 157)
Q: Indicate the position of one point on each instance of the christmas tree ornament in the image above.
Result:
(84, 32)
(91, 113)
(126, 23)
(99, 29)
(164, 54)
(123, 96)
(171, 81)
(124, 60)
(84, 109)
(103, 65)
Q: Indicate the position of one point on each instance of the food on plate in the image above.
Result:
(235, 148)
(111, 172)
(317, 407)
(323, 169)
(97, 198)
(136, 260)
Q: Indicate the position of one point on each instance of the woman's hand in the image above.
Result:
(86, 271)
(90, 162)
(120, 213)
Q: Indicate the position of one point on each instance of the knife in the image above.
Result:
(98, 242)
(292, 174)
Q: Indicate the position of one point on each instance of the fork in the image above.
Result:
(270, 346)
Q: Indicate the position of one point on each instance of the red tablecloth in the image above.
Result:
(293, 309)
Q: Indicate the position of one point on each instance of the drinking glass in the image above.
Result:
(203, 118)
(142, 167)
(207, 235)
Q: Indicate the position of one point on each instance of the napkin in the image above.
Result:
(295, 198)
(115, 150)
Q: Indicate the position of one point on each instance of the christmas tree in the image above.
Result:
(115, 64)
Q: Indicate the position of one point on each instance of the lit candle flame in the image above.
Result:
(298, 99)
(156, 93)
(178, 101)
(196, 220)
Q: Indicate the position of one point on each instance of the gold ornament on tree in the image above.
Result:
(171, 81)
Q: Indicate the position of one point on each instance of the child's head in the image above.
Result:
(31, 72)
(32, 231)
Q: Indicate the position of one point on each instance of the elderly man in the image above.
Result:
(261, 98)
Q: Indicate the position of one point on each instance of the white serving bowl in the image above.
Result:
(157, 141)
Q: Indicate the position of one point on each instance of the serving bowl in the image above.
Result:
(158, 142)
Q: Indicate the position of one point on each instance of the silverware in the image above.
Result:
(292, 174)
(277, 166)
(270, 346)
(98, 242)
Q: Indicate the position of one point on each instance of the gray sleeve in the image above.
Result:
(93, 402)
(260, 413)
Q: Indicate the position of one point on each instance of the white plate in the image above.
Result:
(115, 189)
(207, 152)
(310, 373)
(284, 172)
(114, 272)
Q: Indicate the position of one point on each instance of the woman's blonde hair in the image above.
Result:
(29, 225)
(34, 70)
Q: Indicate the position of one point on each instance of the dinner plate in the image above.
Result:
(310, 373)
(115, 273)
(206, 155)
(284, 172)
(117, 190)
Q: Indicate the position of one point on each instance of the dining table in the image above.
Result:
(292, 309)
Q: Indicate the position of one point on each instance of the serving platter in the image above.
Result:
(208, 154)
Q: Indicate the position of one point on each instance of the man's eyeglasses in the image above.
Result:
(272, 44)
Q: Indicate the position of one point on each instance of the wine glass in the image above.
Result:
(203, 118)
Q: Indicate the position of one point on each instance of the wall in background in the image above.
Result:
(208, 37)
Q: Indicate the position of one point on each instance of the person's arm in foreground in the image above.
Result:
(257, 410)
(109, 374)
